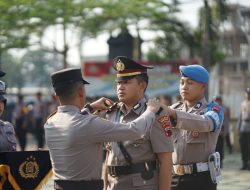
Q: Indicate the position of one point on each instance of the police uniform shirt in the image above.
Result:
(194, 138)
(143, 149)
(7, 137)
(140, 150)
(75, 141)
(245, 116)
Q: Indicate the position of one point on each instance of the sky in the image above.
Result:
(189, 13)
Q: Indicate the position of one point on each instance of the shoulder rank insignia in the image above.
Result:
(52, 114)
(113, 107)
(165, 124)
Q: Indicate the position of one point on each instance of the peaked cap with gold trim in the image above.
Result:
(127, 68)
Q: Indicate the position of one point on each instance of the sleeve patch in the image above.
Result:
(165, 124)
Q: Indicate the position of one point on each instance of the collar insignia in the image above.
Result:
(137, 106)
(198, 105)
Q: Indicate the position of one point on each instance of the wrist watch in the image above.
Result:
(88, 106)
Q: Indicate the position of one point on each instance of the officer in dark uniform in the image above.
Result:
(196, 126)
(75, 138)
(144, 163)
(7, 134)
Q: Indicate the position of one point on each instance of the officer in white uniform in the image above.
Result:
(75, 137)
(197, 125)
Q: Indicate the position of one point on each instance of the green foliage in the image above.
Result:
(217, 15)
(13, 67)
(33, 68)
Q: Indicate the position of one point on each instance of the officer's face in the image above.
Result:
(129, 90)
(191, 90)
(1, 107)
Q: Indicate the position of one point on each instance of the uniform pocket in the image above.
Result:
(9, 132)
(195, 137)
(150, 184)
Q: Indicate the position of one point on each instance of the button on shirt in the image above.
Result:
(194, 138)
(75, 141)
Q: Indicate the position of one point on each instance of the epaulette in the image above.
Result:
(176, 105)
(114, 107)
(84, 112)
(53, 113)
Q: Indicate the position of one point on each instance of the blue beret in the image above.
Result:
(195, 72)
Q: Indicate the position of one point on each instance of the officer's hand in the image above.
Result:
(153, 105)
(102, 104)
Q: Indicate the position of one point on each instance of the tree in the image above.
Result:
(39, 65)
(211, 17)
(137, 15)
(15, 24)
(14, 68)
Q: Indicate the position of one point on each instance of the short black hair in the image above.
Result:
(143, 78)
(68, 91)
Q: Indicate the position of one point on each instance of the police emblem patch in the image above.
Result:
(216, 108)
(195, 134)
(29, 168)
(120, 65)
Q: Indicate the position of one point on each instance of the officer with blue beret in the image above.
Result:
(75, 138)
(196, 127)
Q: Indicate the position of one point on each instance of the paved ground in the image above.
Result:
(233, 178)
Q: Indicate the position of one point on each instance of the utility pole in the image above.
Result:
(206, 58)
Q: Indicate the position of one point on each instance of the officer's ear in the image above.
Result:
(204, 86)
(81, 91)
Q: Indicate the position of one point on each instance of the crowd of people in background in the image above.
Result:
(29, 117)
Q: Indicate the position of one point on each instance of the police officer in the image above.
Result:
(144, 163)
(19, 117)
(74, 138)
(196, 126)
(7, 134)
(244, 131)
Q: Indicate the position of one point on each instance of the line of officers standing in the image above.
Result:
(149, 145)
